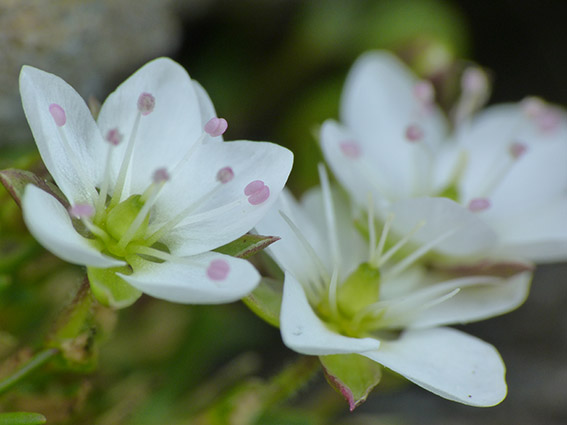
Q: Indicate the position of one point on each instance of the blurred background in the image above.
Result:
(275, 70)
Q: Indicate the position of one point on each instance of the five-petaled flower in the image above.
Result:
(505, 164)
(152, 187)
(340, 297)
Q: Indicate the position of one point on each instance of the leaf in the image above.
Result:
(15, 181)
(246, 246)
(266, 300)
(22, 418)
(353, 375)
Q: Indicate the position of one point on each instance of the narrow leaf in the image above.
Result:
(266, 300)
(246, 246)
(22, 418)
(15, 181)
(353, 375)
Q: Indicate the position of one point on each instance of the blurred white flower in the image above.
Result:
(151, 185)
(505, 164)
(343, 296)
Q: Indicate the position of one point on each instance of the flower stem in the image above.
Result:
(36, 361)
(293, 377)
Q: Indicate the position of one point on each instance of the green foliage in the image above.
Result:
(22, 418)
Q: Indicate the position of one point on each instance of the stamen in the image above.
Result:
(216, 126)
(479, 204)
(114, 137)
(333, 287)
(218, 270)
(82, 211)
(375, 260)
(146, 103)
(371, 229)
(414, 133)
(225, 174)
(474, 81)
(518, 149)
(58, 114)
(400, 244)
(257, 192)
(160, 176)
(307, 246)
(350, 149)
(418, 253)
(329, 213)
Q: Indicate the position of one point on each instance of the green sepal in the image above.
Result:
(247, 245)
(265, 301)
(360, 289)
(111, 290)
(15, 182)
(22, 418)
(353, 375)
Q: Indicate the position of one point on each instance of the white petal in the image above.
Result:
(471, 236)
(378, 105)
(205, 105)
(50, 224)
(479, 297)
(226, 213)
(361, 172)
(305, 333)
(539, 234)
(76, 167)
(448, 363)
(188, 281)
(164, 135)
(289, 252)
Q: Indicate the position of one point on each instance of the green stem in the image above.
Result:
(293, 377)
(37, 361)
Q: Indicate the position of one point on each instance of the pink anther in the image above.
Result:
(225, 174)
(474, 80)
(424, 91)
(218, 270)
(257, 192)
(58, 114)
(518, 149)
(146, 103)
(350, 149)
(414, 133)
(479, 204)
(160, 175)
(82, 210)
(216, 126)
(114, 137)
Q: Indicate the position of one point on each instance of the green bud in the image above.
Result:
(359, 290)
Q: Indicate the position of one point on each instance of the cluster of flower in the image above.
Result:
(439, 225)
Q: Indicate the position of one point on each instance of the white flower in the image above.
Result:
(151, 185)
(341, 298)
(506, 165)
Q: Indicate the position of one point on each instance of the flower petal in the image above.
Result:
(305, 333)
(209, 278)
(205, 105)
(470, 235)
(221, 212)
(539, 234)
(76, 164)
(379, 104)
(51, 225)
(448, 363)
(479, 297)
(164, 135)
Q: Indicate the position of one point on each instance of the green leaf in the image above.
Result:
(266, 300)
(246, 246)
(353, 375)
(22, 418)
(15, 181)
